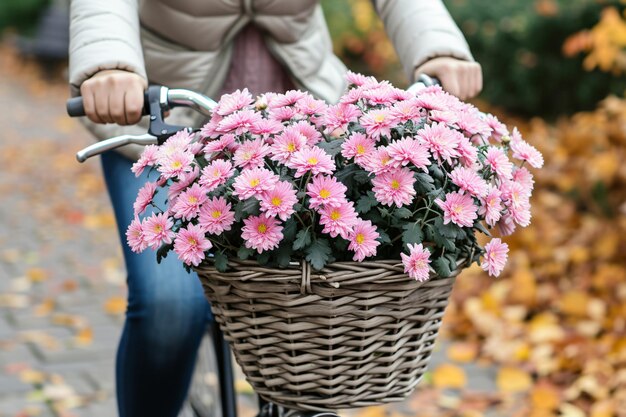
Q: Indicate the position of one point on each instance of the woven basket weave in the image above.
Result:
(351, 335)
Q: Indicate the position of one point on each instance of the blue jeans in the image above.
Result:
(166, 317)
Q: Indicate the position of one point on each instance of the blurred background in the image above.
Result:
(548, 338)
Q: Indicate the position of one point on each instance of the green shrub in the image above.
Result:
(21, 15)
(520, 50)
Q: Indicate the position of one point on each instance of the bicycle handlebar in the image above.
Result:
(157, 101)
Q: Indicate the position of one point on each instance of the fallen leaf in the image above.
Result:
(570, 410)
(115, 305)
(37, 275)
(462, 352)
(84, 337)
(449, 376)
(30, 376)
(545, 396)
(512, 379)
(45, 308)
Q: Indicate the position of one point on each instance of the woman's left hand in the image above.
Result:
(463, 79)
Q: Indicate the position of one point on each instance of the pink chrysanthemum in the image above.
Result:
(409, 150)
(144, 197)
(469, 181)
(468, 154)
(378, 161)
(184, 180)
(524, 151)
(289, 98)
(382, 95)
(363, 240)
(524, 178)
(506, 225)
(448, 117)
(135, 237)
(239, 122)
(157, 230)
(339, 115)
(307, 130)
(283, 114)
(406, 110)
(491, 206)
(216, 216)
(279, 201)
(326, 191)
(496, 254)
(498, 129)
(175, 164)
(175, 144)
(253, 182)
(266, 127)
(230, 103)
(224, 142)
(472, 124)
(261, 233)
(496, 159)
(357, 146)
(286, 144)
(216, 174)
(190, 245)
(148, 158)
(516, 199)
(338, 220)
(395, 187)
(442, 141)
(310, 106)
(378, 123)
(188, 203)
(458, 208)
(251, 153)
(416, 262)
(359, 79)
(311, 159)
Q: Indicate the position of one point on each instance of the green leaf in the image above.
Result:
(366, 202)
(163, 251)
(402, 213)
(412, 233)
(442, 267)
(383, 237)
(251, 206)
(384, 212)
(433, 234)
(283, 255)
(303, 239)
(481, 228)
(345, 173)
(263, 258)
(424, 183)
(318, 253)
(450, 230)
(332, 147)
(362, 176)
(244, 253)
(435, 171)
(221, 261)
(289, 230)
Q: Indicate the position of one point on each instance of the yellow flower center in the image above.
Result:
(419, 264)
(158, 228)
(360, 149)
(254, 182)
(360, 238)
(385, 160)
(276, 201)
(291, 147)
(216, 214)
(379, 118)
(457, 209)
(216, 172)
(324, 193)
(312, 160)
(246, 156)
(177, 164)
(395, 184)
(335, 215)
(192, 199)
(192, 241)
(262, 228)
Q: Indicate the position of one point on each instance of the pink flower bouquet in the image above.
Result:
(383, 174)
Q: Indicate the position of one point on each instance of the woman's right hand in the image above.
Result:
(114, 96)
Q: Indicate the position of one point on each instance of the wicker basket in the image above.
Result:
(352, 335)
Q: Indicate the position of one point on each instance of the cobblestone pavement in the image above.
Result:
(62, 290)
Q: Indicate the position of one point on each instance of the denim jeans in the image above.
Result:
(166, 317)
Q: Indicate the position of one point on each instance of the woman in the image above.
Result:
(213, 46)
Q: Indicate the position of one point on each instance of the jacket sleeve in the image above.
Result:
(104, 34)
(421, 30)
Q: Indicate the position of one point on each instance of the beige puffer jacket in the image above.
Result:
(188, 43)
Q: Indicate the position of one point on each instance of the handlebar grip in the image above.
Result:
(75, 107)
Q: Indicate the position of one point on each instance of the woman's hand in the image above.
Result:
(464, 79)
(114, 96)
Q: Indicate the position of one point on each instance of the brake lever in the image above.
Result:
(112, 143)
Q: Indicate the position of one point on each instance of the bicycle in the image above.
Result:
(157, 101)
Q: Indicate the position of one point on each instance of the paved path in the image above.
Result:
(62, 287)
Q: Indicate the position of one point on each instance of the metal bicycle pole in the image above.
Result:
(225, 372)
